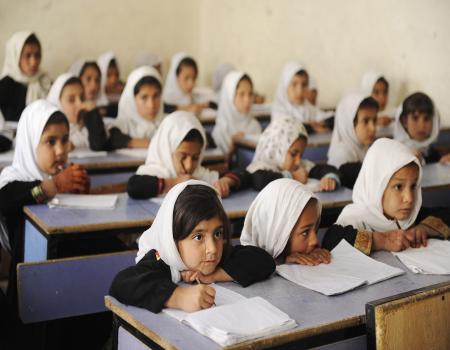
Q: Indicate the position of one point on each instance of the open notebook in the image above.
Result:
(133, 152)
(432, 259)
(84, 201)
(349, 269)
(87, 153)
(235, 318)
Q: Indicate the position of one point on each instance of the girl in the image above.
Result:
(312, 91)
(110, 84)
(86, 129)
(354, 131)
(283, 220)
(417, 126)
(375, 84)
(189, 240)
(175, 155)
(290, 99)
(233, 119)
(279, 154)
(386, 212)
(139, 109)
(22, 80)
(180, 82)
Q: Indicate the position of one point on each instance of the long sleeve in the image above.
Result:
(437, 219)
(142, 186)
(248, 264)
(168, 108)
(15, 195)
(244, 178)
(361, 240)
(98, 141)
(148, 284)
(261, 178)
(433, 155)
(117, 139)
(349, 173)
(5, 144)
(321, 170)
(12, 98)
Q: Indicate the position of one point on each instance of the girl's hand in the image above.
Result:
(327, 184)
(192, 298)
(301, 175)
(223, 186)
(72, 179)
(383, 121)
(392, 241)
(417, 235)
(322, 255)
(219, 275)
(238, 136)
(302, 259)
(445, 159)
(138, 143)
(319, 127)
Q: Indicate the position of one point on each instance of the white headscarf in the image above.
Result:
(368, 81)
(400, 134)
(37, 85)
(79, 134)
(344, 146)
(383, 159)
(229, 121)
(160, 235)
(147, 58)
(273, 215)
(274, 144)
(29, 131)
(172, 93)
(219, 74)
(129, 121)
(103, 62)
(166, 140)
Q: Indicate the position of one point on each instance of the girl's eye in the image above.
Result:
(413, 187)
(398, 187)
(304, 234)
(51, 142)
(195, 158)
(218, 234)
(198, 237)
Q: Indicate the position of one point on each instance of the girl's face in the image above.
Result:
(71, 100)
(202, 249)
(30, 59)
(418, 125)
(297, 89)
(186, 157)
(148, 101)
(91, 83)
(312, 96)
(303, 238)
(399, 196)
(186, 79)
(243, 98)
(112, 76)
(53, 148)
(294, 155)
(380, 94)
(365, 127)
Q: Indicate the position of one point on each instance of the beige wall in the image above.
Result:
(408, 40)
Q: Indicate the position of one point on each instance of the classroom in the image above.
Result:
(213, 174)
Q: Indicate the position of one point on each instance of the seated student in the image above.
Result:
(140, 111)
(5, 141)
(279, 154)
(22, 80)
(283, 220)
(110, 84)
(233, 120)
(375, 84)
(417, 126)
(175, 155)
(147, 58)
(86, 129)
(386, 212)
(290, 99)
(189, 240)
(313, 91)
(353, 133)
(180, 82)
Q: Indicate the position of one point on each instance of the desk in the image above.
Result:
(436, 185)
(320, 319)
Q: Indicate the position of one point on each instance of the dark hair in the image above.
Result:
(113, 63)
(147, 80)
(245, 77)
(303, 73)
(71, 81)
(56, 118)
(90, 64)
(189, 62)
(384, 81)
(32, 40)
(195, 204)
(302, 137)
(194, 136)
(368, 102)
(417, 103)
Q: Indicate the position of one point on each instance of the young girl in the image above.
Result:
(375, 84)
(189, 240)
(283, 220)
(110, 84)
(386, 211)
(354, 131)
(279, 154)
(180, 82)
(233, 120)
(312, 91)
(175, 155)
(139, 108)
(86, 129)
(290, 99)
(22, 80)
(417, 126)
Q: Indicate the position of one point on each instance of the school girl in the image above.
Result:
(375, 84)
(110, 85)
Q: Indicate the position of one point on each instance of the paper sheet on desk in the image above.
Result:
(133, 152)
(432, 259)
(84, 201)
(349, 269)
(87, 153)
(261, 108)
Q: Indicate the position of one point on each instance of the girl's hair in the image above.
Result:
(194, 136)
(113, 63)
(32, 40)
(417, 103)
(245, 77)
(368, 102)
(90, 64)
(188, 62)
(56, 118)
(302, 73)
(71, 81)
(384, 81)
(195, 204)
(147, 80)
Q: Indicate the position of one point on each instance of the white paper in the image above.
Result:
(133, 152)
(432, 259)
(87, 153)
(348, 269)
(208, 113)
(213, 152)
(261, 108)
(84, 201)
